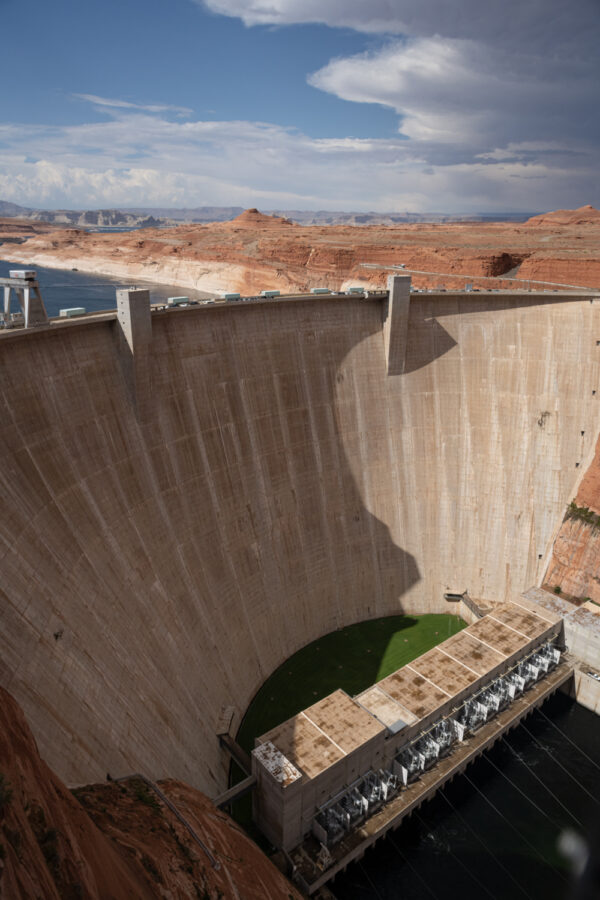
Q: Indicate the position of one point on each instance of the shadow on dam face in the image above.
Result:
(433, 340)
(430, 340)
(157, 568)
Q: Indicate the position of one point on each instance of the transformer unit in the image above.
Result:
(411, 764)
(71, 311)
(529, 673)
(473, 715)
(349, 808)
(445, 735)
(429, 750)
(269, 293)
(177, 301)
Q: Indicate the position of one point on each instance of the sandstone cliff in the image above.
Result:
(575, 563)
(585, 215)
(18, 230)
(114, 841)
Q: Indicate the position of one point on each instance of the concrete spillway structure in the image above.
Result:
(162, 554)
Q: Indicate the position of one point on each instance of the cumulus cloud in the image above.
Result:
(472, 82)
(464, 93)
(495, 101)
(533, 20)
(139, 159)
(496, 109)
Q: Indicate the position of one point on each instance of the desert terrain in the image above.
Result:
(255, 252)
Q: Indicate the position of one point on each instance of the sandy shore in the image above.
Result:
(210, 278)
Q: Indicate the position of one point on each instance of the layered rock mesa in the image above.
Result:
(115, 841)
(281, 486)
(255, 252)
(19, 230)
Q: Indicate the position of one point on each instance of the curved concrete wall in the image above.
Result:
(283, 486)
(484, 438)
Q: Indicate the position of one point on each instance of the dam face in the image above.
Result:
(280, 485)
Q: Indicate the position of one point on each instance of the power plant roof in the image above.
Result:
(323, 734)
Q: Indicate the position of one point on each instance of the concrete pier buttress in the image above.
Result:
(395, 325)
(157, 569)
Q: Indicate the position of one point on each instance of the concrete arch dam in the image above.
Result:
(270, 483)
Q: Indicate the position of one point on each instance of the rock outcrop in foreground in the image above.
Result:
(114, 840)
(255, 252)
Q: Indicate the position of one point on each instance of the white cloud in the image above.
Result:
(496, 111)
(377, 16)
(527, 20)
(125, 104)
(465, 93)
(500, 81)
(147, 160)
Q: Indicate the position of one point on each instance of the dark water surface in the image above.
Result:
(62, 288)
(494, 834)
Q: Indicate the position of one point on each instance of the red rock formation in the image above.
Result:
(589, 489)
(252, 218)
(21, 229)
(575, 562)
(256, 251)
(562, 268)
(51, 848)
(585, 215)
(115, 840)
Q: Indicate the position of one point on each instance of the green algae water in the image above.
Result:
(353, 659)
(497, 832)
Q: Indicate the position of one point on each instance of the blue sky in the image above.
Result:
(420, 105)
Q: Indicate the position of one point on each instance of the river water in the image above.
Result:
(496, 833)
(62, 288)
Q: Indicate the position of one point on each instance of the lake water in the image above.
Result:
(63, 288)
(495, 833)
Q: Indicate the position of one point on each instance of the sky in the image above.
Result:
(456, 106)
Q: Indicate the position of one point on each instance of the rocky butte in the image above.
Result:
(272, 477)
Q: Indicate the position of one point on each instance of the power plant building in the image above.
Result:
(326, 768)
